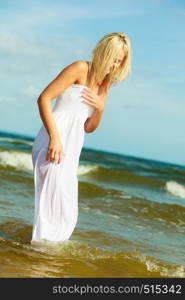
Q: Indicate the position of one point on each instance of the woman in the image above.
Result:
(81, 90)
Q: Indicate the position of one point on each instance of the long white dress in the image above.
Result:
(56, 185)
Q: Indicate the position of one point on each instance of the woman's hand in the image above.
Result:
(90, 97)
(55, 150)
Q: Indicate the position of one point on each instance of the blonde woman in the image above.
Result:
(81, 90)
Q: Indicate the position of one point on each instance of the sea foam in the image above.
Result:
(175, 188)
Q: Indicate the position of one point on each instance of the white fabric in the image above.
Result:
(56, 185)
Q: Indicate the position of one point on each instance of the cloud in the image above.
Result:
(13, 43)
(7, 99)
(30, 92)
(38, 13)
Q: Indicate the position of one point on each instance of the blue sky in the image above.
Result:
(144, 115)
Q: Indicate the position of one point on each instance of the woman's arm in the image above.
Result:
(93, 122)
(66, 77)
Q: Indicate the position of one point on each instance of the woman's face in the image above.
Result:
(117, 62)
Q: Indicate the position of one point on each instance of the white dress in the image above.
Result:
(56, 185)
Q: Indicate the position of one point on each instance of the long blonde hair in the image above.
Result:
(102, 57)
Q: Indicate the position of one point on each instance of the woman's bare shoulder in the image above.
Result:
(83, 66)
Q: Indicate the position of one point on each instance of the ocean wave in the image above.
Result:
(127, 263)
(165, 270)
(15, 141)
(175, 189)
(23, 160)
(84, 169)
(16, 159)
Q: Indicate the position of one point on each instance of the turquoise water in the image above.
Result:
(131, 219)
